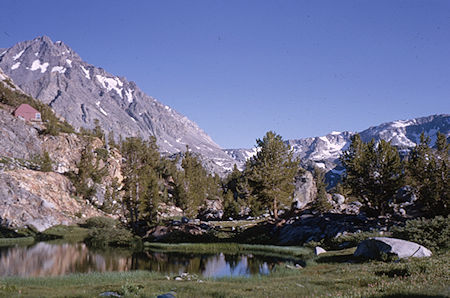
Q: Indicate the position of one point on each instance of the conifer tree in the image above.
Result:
(429, 174)
(374, 172)
(271, 173)
(321, 202)
(193, 192)
(141, 180)
(232, 195)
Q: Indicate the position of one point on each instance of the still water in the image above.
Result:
(45, 259)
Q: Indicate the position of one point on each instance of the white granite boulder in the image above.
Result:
(374, 247)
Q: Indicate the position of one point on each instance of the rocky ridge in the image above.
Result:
(80, 93)
(324, 151)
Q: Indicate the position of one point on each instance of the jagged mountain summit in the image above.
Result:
(80, 93)
(324, 151)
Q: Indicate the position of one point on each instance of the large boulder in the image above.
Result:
(305, 190)
(212, 211)
(373, 248)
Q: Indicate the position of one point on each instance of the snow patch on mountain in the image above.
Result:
(37, 65)
(110, 84)
(17, 56)
(59, 69)
(86, 72)
(129, 95)
(15, 66)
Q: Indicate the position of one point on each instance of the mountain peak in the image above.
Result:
(81, 93)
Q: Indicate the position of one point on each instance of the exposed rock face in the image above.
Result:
(65, 150)
(305, 190)
(7, 82)
(32, 198)
(17, 138)
(374, 247)
(80, 92)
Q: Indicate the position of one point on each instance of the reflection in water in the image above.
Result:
(44, 259)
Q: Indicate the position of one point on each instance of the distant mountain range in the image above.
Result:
(80, 93)
(324, 151)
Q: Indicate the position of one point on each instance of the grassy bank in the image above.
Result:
(330, 275)
(67, 233)
(16, 241)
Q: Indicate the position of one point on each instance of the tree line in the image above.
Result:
(374, 174)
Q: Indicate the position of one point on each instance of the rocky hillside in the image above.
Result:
(80, 93)
(324, 151)
(30, 197)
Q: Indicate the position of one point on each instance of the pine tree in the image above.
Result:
(271, 173)
(374, 172)
(141, 179)
(321, 202)
(194, 184)
(232, 195)
(429, 174)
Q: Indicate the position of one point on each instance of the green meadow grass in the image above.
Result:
(16, 241)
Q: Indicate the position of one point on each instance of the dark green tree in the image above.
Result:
(192, 185)
(374, 172)
(428, 174)
(321, 202)
(88, 175)
(140, 184)
(271, 173)
(232, 197)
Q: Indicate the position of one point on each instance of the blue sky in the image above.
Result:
(241, 68)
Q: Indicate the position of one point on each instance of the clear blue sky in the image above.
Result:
(241, 68)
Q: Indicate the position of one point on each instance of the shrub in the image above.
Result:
(100, 222)
(101, 237)
(432, 233)
(105, 231)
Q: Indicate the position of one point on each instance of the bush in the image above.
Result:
(101, 222)
(432, 233)
(105, 231)
(101, 237)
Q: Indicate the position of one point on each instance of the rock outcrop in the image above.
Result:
(38, 199)
(315, 227)
(375, 247)
(17, 138)
(305, 190)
